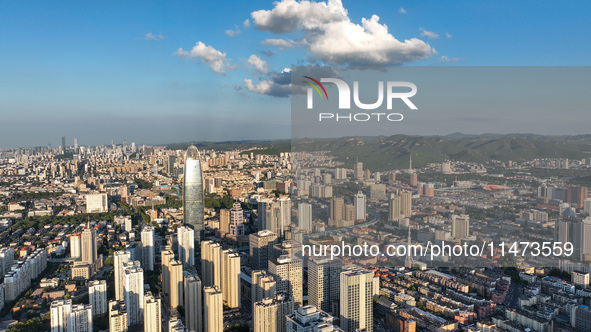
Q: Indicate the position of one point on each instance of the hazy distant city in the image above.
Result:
(134, 237)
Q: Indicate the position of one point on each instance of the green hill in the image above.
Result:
(384, 153)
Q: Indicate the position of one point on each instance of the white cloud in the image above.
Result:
(286, 43)
(448, 35)
(258, 64)
(246, 23)
(402, 10)
(428, 34)
(233, 33)
(289, 15)
(277, 84)
(332, 38)
(152, 36)
(444, 58)
(209, 55)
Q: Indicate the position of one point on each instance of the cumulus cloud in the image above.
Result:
(258, 64)
(285, 43)
(289, 15)
(402, 10)
(277, 84)
(233, 33)
(152, 36)
(246, 23)
(208, 55)
(448, 35)
(332, 38)
(428, 34)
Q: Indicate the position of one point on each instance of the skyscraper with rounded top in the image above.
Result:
(193, 193)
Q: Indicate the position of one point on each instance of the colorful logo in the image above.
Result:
(316, 87)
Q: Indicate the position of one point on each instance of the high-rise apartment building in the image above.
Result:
(356, 308)
(337, 207)
(186, 246)
(231, 278)
(360, 203)
(324, 282)
(263, 286)
(133, 290)
(120, 259)
(211, 264)
(97, 296)
(193, 295)
(166, 256)
(460, 226)
(305, 216)
(288, 274)
(269, 314)
(152, 313)
(394, 208)
(193, 193)
(117, 316)
(261, 247)
(213, 309)
(148, 248)
(176, 286)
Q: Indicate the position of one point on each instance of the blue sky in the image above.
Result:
(113, 70)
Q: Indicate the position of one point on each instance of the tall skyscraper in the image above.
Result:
(75, 145)
(460, 226)
(285, 208)
(356, 299)
(269, 314)
(337, 207)
(167, 256)
(231, 278)
(305, 216)
(214, 309)
(117, 316)
(262, 208)
(152, 313)
(148, 248)
(63, 144)
(360, 204)
(175, 297)
(236, 220)
(134, 293)
(89, 253)
(394, 207)
(224, 222)
(261, 247)
(211, 267)
(358, 170)
(186, 247)
(405, 203)
(288, 274)
(120, 259)
(193, 193)
(324, 282)
(193, 301)
(97, 296)
(263, 286)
